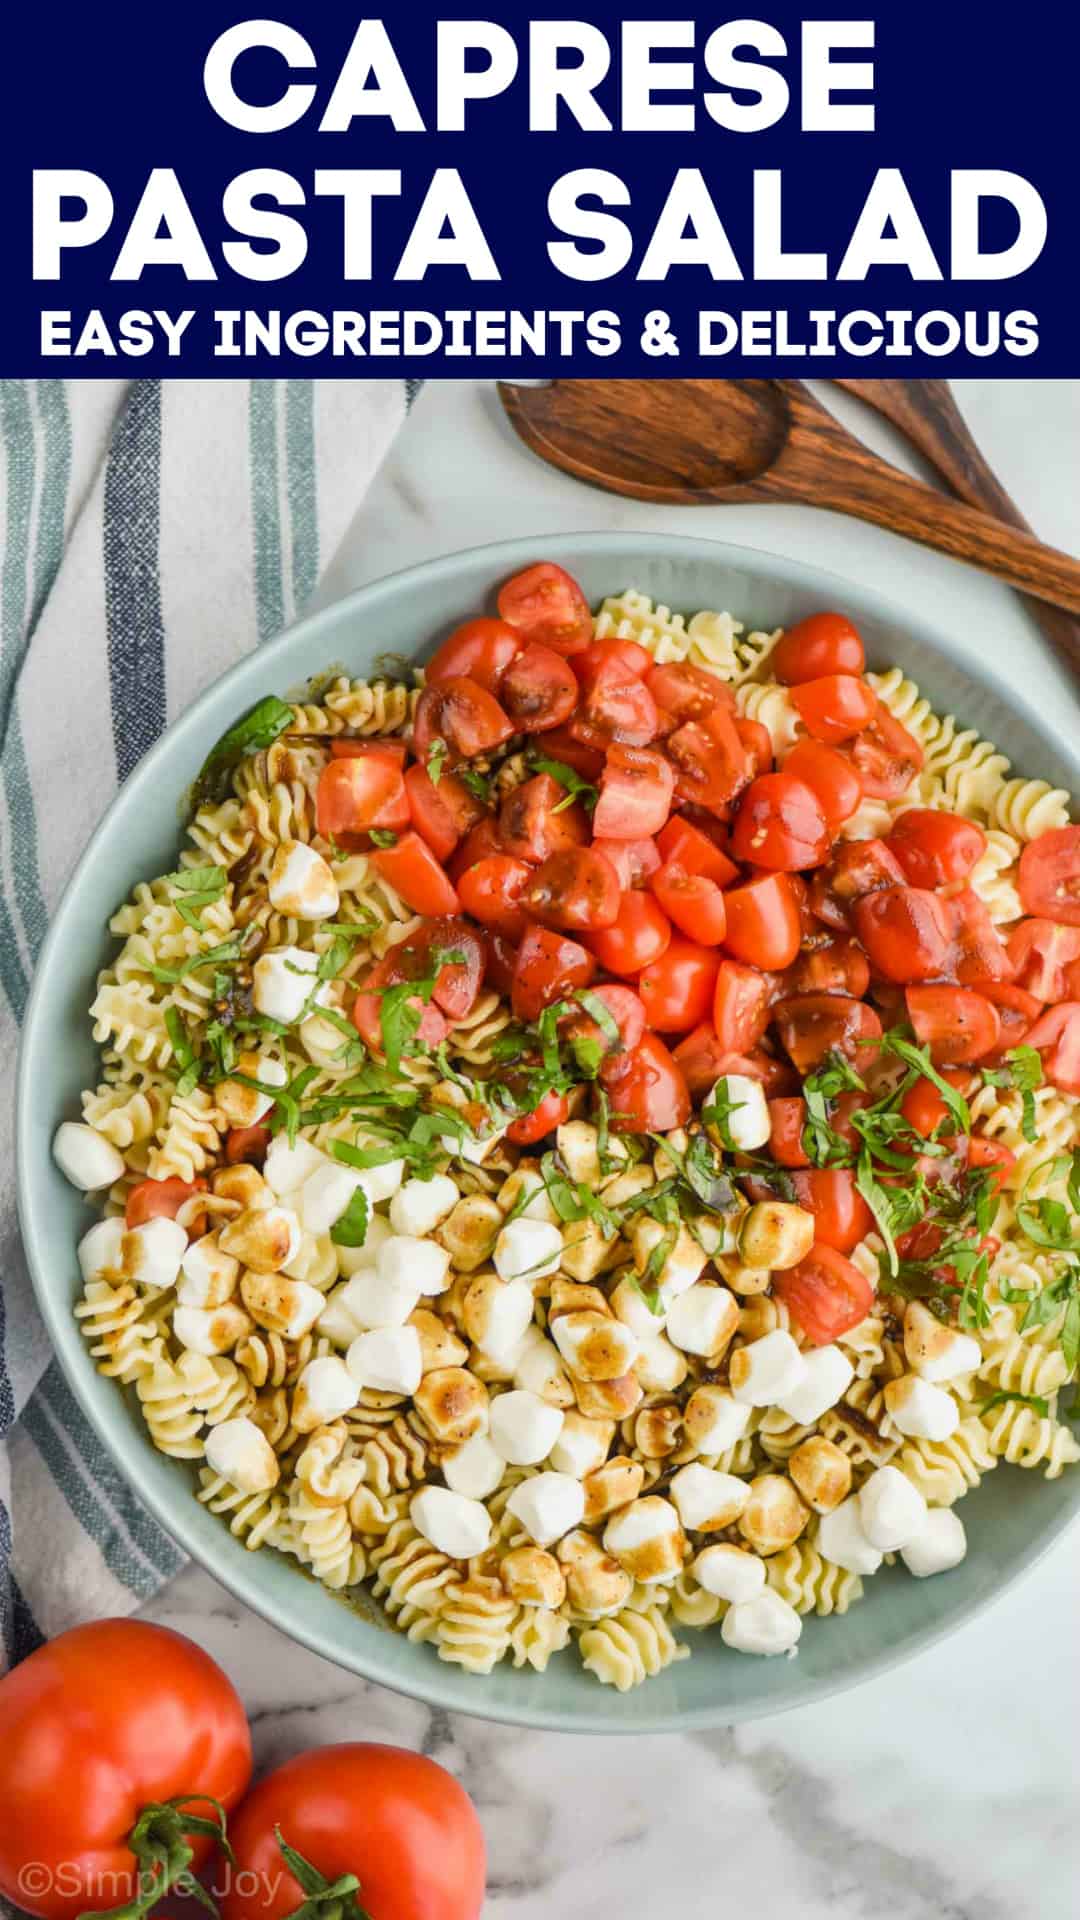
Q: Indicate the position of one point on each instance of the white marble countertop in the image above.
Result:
(944, 1791)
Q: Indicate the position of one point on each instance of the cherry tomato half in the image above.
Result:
(763, 925)
(779, 823)
(481, 650)
(885, 756)
(361, 792)
(647, 1090)
(576, 890)
(683, 845)
(826, 1293)
(787, 1118)
(821, 644)
(625, 1008)
(545, 603)
(978, 950)
(834, 965)
(412, 870)
(636, 790)
(639, 935)
(247, 1144)
(907, 932)
(812, 1025)
(159, 1199)
(836, 708)
(491, 891)
(677, 989)
(923, 1106)
(934, 848)
(957, 1025)
(711, 760)
(855, 868)
(528, 1128)
(693, 904)
(740, 1006)
(1016, 1010)
(1056, 1036)
(442, 814)
(831, 777)
(1042, 954)
(548, 967)
(682, 692)
(535, 821)
(635, 861)
(463, 714)
(1050, 876)
(538, 689)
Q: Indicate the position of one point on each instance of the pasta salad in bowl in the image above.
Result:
(584, 1142)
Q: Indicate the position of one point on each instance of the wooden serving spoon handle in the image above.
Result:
(926, 413)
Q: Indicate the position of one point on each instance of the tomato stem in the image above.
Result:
(323, 1899)
(160, 1842)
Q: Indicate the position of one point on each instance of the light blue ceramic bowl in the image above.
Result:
(1011, 1521)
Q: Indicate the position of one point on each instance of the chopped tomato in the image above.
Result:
(934, 848)
(907, 932)
(677, 989)
(159, 1199)
(538, 689)
(647, 1090)
(347, 747)
(545, 603)
(757, 745)
(1050, 876)
(812, 1025)
(367, 1007)
(740, 1006)
(615, 705)
(481, 650)
(841, 1215)
(855, 868)
(821, 644)
(978, 950)
(956, 1024)
(763, 926)
(885, 756)
(588, 761)
(834, 965)
(826, 1294)
(636, 789)
(463, 714)
(788, 1121)
(835, 708)
(635, 861)
(576, 889)
(457, 982)
(626, 1009)
(683, 692)
(701, 1058)
(491, 890)
(1056, 1036)
(412, 870)
(1042, 953)
(500, 963)
(779, 823)
(528, 1128)
(535, 821)
(600, 653)
(692, 903)
(361, 792)
(548, 967)
(831, 777)
(683, 845)
(441, 814)
(923, 1105)
(1017, 1011)
(710, 759)
(247, 1144)
(639, 935)
(479, 843)
(993, 1156)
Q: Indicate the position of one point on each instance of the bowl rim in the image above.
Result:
(447, 1690)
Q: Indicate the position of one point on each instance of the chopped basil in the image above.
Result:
(919, 1059)
(183, 1051)
(229, 950)
(576, 787)
(255, 729)
(1033, 1400)
(351, 1229)
(382, 837)
(474, 783)
(599, 1011)
(437, 753)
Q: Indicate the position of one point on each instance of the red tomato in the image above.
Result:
(481, 650)
(366, 1013)
(441, 814)
(528, 1128)
(535, 822)
(635, 861)
(396, 1820)
(978, 950)
(934, 848)
(700, 1058)
(763, 926)
(711, 760)
(647, 1090)
(1056, 1036)
(822, 643)
(458, 982)
(1042, 953)
(826, 1294)
(692, 903)
(356, 794)
(906, 931)
(677, 989)
(247, 1144)
(616, 704)
(923, 1106)
(348, 748)
(548, 967)
(683, 845)
(986, 1154)
(855, 868)
(682, 692)
(779, 823)
(1017, 1011)
(159, 1199)
(757, 745)
(885, 756)
(545, 603)
(600, 653)
(636, 789)
(479, 843)
(463, 714)
(841, 1215)
(412, 870)
(956, 1024)
(588, 761)
(538, 690)
(740, 1006)
(830, 776)
(640, 934)
(577, 890)
(501, 961)
(814, 1024)
(834, 965)
(788, 1117)
(100, 1724)
(491, 891)
(1050, 876)
(625, 1008)
(835, 708)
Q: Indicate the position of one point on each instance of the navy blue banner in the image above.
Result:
(215, 191)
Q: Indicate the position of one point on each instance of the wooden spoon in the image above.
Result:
(927, 414)
(703, 441)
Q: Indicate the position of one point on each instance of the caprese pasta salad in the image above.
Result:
(586, 1141)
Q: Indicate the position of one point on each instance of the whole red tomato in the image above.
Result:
(398, 1822)
(104, 1723)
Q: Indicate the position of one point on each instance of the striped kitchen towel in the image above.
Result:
(151, 533)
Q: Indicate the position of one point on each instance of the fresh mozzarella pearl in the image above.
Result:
(336, 1322)
(452, 1523)
(281, 1305)
(377, 1299)
(538, 1366)
(475, 1469)
(387, 1359)
(936, 1352)
(324, 1391)
(548, 1505)
(729, 1572)
(383, 1181)
(747, 1124)
(708, 1500)
(420, 1264)
(582, 1445)
(629, 1305)
(919, 1409)
(101, 1249)
(842, 1538)
(647, 1540)
(286, 1168)
(714, 1419)
(325, 1196)
(207, 1276)
(497, 1312)
(703, 1320)
(941, 1544)
(766, 1625)
(660, 1367)
(418, 1206)
(241, 1453)
(210, 1330)
(594, 1345)
(281, 983)
(301, 883)
(245, 1106)
(153, 1252)
(827, 1376)
(527, 1249)
(766, 1370)
(524, 1428)
(892, 1511)
(86, 1158)
(358, 1259)
(263, 1238)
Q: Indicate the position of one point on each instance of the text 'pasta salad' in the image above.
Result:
(587, 1134)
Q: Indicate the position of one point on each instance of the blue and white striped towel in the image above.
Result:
(152, 532)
